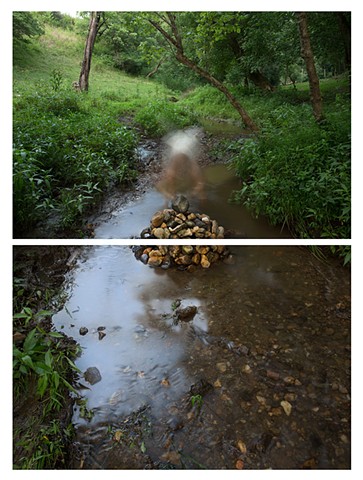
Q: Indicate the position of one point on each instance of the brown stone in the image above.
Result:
(205, 263)
(157, 219)
(202, 249)
(196, 258)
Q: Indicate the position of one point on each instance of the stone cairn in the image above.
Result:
(179, 223)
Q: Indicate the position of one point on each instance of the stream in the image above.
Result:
(259, 378)
(129, 219)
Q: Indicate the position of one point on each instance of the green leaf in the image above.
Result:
(55, 335)
(42, 385)
(48, 359)
(30, 341)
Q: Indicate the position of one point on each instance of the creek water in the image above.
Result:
(258, 379)
(129, 220)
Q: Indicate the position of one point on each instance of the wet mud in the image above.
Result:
(257, 378)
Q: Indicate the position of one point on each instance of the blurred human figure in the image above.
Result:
(182, 173)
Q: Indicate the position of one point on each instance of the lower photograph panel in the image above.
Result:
(181, 357)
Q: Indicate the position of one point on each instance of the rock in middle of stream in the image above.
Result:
(179, 223)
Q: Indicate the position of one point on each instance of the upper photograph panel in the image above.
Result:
(182, 125)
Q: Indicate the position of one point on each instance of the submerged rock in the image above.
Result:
(180, 204)
(186, 314)
(92, 375)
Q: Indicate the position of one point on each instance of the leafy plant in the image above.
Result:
(56, 80)
(298, 174)
(196, 400)
(39, 355)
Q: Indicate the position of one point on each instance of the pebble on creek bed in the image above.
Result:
(179, 223)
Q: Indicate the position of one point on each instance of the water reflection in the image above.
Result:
(270, 339)
(219, 182)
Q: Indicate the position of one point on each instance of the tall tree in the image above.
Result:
(307, 54)
(91, 38)
(174, 39)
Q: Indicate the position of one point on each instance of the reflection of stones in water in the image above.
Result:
(118, 397)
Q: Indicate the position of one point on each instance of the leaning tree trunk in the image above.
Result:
(91, 38)
(174, 39)
(307, 54)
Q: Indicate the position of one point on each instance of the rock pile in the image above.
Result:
(185, 257)
(179, 223)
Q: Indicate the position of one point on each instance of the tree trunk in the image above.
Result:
(221, 87)
(307, 54)
(155, 69)
(91, 38)
(174, 39)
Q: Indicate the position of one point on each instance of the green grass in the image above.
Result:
(70, 148)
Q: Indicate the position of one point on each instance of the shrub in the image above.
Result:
(65, 156)
(297, 173)
(159, 117)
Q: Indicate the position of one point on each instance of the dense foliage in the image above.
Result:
(298, 173)
(65, 156)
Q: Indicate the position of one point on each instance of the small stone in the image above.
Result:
(239, 464)
(196, 258)
(202, 249)
(157, 219)
(188, 249)
(184, 260)
(286, 406)
(246, 369)
(180, 204)
(261, 400)
(186, 314)
(242, 446)
(220, 232)
(272, 374)
(205, 263)
(83, 330)
(101, 335)
(92, 375)
(155, 261)
(289, 380)
(186, 232)
(275, 412)
(161, 233)
(221, 366)
(144, 258)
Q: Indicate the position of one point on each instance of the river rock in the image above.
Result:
(186, 314)
(180, 204)
(92, 375)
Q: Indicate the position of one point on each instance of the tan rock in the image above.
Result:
(157, 219)
(202, 249)
(205, 263)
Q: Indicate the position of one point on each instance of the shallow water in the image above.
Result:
(129, 220)
(268, 354)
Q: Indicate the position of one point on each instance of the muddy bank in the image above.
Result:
(41, 437)
(257, 377)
